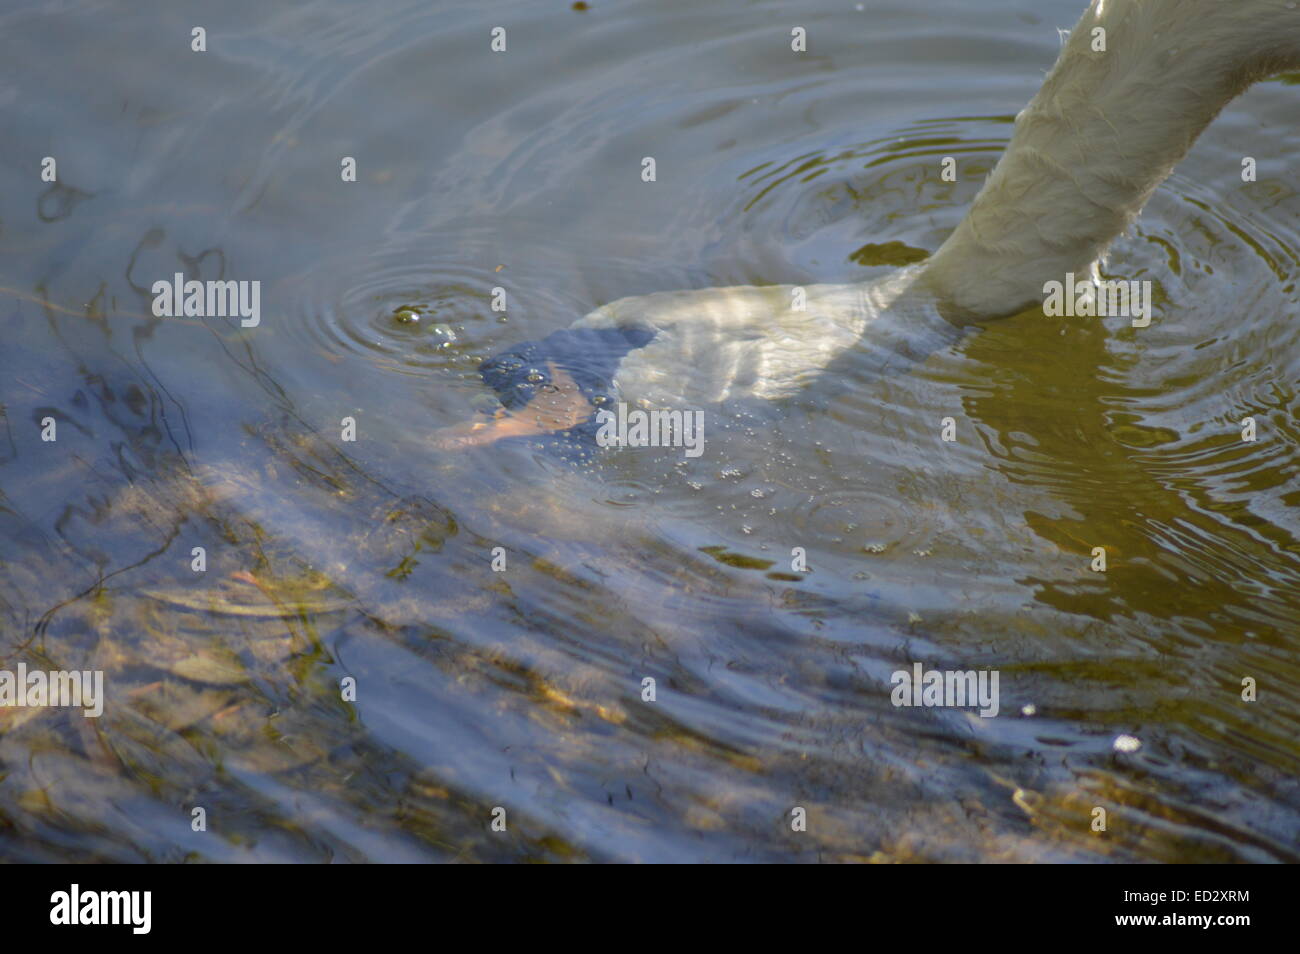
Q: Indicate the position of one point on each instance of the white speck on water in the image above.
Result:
(1029, 710)
(1126, 743)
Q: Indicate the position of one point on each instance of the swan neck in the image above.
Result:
(1135, 84)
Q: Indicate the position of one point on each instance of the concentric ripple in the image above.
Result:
(400, 316)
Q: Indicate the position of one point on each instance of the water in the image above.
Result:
(522, 689)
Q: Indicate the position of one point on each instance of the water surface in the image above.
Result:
(522, 689)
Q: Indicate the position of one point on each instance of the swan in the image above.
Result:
(1135, 83)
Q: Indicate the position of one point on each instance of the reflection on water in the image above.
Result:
(374, 559)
